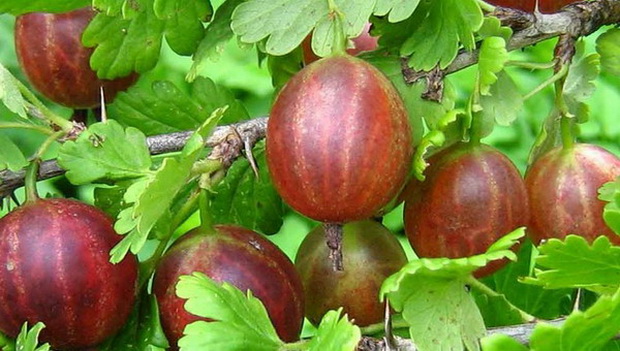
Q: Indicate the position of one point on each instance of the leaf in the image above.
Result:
(240, 321)
(11, 157)
(493, 57)
(152, 196)
(164, 108)
(533, 299)
(217, 34)
(497, 311)
(10, 94)
(492, 27)
(131, 42)
(142, 331)
(610, 192)
(503, 103)
(183, 18)
(105, 151)
(248, 200)
(436, 39)
(335, 333)
(432, 297)
(579, 85)
(499, 342)
(574, 263)
(589, 330)
(285, 23)
(18, 7)
(608, 46)
(28, 339)
(398, 10)
(282, 68)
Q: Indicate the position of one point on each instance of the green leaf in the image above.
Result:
(131, 41)
(492, 27)
(240, 321)
(610, 192)
(503, 103)
(286, 23)
(533, 299)
(105, 151)
(435, 41)
(10, 94)
(11, 157)
(18, 7)
(125, 45)
(493, 56)
(579, 85)
(151, 196)
(248, 200)
(282, 68)
(335, 333)
(499, 342)
(142, 332)
(589, 330)
(608, 46)
(28, 339)
(497, 311)
(164, 108)
(217, 34)
(398, 10)
(575, 263)
(183, 18)
(432, 296)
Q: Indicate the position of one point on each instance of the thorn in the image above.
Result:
(250, 156)
(577, 300)
(390, 342)
(104, 114)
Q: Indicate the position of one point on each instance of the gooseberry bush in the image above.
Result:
(309, 175)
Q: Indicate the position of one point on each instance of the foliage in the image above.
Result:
(205, 64)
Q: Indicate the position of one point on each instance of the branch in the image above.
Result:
(577, 20)
(247, 132)
(519, 332)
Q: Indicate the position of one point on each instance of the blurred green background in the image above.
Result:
(238, 70)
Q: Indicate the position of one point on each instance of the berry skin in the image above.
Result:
(240, 257)
(54, 268)
(563, 185)
(472, 196)
(51, 54)
(339, 141)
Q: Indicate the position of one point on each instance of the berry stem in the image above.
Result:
(566, 125)
(531, 65)
(40, 129)
(333, 239)
(206, 220)
(398, 322)
(554, 78)
(475, 130)
(482, 288)
(30, 181)
(53, 118)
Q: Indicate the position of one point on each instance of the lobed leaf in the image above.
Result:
(335, 333)
(608, 46)
(447, 23)
(28, 339)
(127, 36)
(217, 34)
(164, 108)
(502, 104)
(151, 197)
(573, 263)
(285, 23)
(499, 342)
(240, 321)
(433, 299)
(105, 151)
(588, 330)
(397, 10)
(493, 56)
